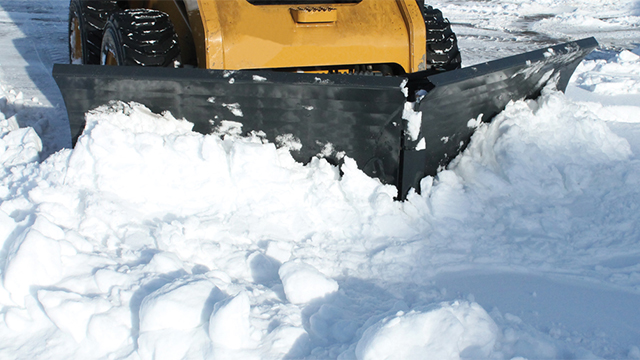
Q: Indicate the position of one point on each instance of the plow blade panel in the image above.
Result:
(358, 115)
(481, 91)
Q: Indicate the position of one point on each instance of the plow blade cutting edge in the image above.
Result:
(331, 114)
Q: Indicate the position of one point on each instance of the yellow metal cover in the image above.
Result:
(238, 35)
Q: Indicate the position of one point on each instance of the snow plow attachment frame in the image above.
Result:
(333, 115)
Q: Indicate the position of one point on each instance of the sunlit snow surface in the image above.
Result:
(149, 241)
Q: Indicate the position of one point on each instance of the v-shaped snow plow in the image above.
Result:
(400, 114)
(360, 116)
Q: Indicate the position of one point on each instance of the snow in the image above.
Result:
(414, 120)
(490, 29)
(619, 75)
(444, 331)
(150, 241)
(303, 283)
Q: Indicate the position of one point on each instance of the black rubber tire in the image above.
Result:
(442, 44)
(92, 16)
(96, 14)
(140, 37)
(78, 53)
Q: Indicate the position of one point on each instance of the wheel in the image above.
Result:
(96, 14)
(442, 45)
(78, 53)
(140, 37)
(86, 23)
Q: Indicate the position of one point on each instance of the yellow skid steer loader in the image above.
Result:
(377, 80)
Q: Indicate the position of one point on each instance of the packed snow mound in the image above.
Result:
(447, 332)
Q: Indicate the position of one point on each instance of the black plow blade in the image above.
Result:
(360, 116)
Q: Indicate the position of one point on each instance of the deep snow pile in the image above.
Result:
(149, 241)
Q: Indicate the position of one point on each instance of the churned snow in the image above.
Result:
(150, 241)
(442, 331)
(619, 75)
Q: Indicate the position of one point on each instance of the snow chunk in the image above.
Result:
(111, 329)
(288, 141)
(235, 109)
(178, 305)
(164, 263)
(259, 78)
(448, 331)
(304, 283)
(328, 150)
(119, 114)
(228, 127)
(229, 325)
(279, 250)
(404, 88)
(173, 318)
(318, 80)
(414, 120)
(628, 56)
(475, 123)
(35, 259)
(18, 145)
(173, 345)
(289, 340)
(71, 312)
(358, 186)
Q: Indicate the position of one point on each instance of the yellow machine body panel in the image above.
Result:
(236, 34)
